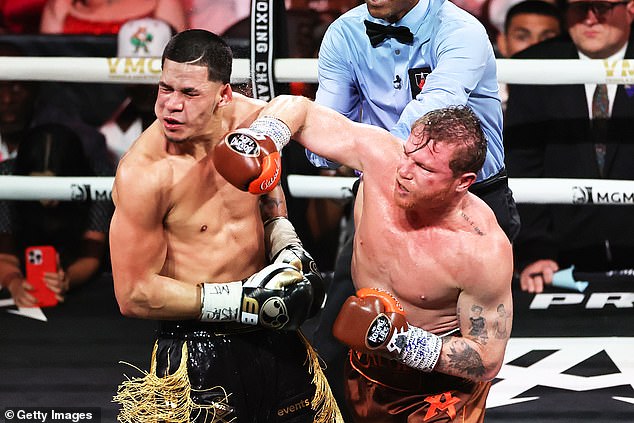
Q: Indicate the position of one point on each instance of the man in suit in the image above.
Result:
(575, 131)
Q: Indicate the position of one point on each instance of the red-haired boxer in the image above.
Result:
(427, 255)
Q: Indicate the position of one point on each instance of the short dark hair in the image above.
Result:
(202, 48)
(455, 125)
(533, 7)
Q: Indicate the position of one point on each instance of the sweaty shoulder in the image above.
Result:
(378, 150)
(142, 168)
(480, 216)
(483, 245)
(243, 111)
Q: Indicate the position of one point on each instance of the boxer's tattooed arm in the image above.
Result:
(501, 323)
(273, 204)
(478, 327)
(463, 359)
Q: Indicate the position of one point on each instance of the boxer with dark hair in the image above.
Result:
(417, 264)
(191, 250)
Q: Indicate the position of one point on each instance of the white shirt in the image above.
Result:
(4, 151)
(619, 55)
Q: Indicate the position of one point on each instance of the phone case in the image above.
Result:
(39, 260)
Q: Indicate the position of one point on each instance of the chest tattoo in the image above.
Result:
(470, 222)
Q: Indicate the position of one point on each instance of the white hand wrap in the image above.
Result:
(277, 130)
(421, 350)
(220, 302)
(279, 233)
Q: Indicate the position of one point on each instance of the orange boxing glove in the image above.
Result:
(250, 159)
(374, 322)
(370, 321)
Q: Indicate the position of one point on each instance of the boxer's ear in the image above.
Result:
(226, 95)
(465, 181)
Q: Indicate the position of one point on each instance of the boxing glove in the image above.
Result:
(250, 158)
(283, 246)
(296, 256)
(374, 322)
(276, 297)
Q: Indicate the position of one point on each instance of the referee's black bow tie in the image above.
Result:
(377, 33)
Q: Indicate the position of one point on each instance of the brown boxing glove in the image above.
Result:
(374, 322)
(250, 159)
(371, 322)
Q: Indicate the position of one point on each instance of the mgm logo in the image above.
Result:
(83, 192)
(589, 195)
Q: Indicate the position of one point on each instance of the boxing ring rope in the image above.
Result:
(525, 190)
(147, 70)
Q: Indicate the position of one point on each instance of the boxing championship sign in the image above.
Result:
(262, 49)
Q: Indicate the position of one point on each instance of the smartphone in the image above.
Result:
(39, 260)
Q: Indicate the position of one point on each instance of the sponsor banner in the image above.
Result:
(139, 69)
(262, 50)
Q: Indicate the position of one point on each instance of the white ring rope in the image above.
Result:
(65, 188)
(147, 70)
(525, 190)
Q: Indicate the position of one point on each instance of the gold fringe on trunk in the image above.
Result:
(323, 402)
(165, 399)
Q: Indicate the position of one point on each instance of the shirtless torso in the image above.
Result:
(420, 235)
(178, 222)
(428, 267)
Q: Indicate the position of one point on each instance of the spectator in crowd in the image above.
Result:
(432, 55)
(21, 16)
(527, 23)
(25, 104)
(575, 131)
(100, 17)
(217, 15)
(17, 103)
(145, 37)
(494, 14)
(77, 230)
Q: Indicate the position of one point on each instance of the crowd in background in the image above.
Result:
(107, 119)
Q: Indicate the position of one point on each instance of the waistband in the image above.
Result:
(397, 376)
(490, 184)
(194, 329)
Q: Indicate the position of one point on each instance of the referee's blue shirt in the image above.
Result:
(372, 84)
